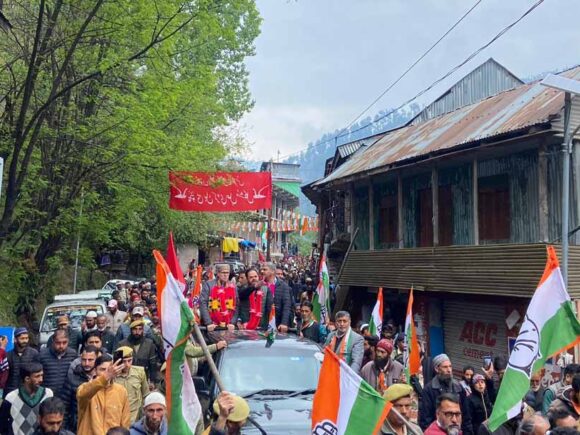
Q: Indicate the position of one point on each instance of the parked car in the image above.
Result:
(278, 381)
(75, 309)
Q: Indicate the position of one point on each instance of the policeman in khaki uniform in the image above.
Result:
(134, 380)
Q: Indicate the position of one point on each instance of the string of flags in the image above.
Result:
(300, 223)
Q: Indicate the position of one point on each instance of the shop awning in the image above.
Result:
(289, 186)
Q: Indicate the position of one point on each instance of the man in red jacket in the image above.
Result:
(448, 414)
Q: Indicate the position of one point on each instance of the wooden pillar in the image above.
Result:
(400, 223)
(475, 200)
(371, 215)
(435, 199)
(352, 214)
(543, 211)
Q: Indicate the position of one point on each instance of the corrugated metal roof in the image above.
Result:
(509, 111)
(489, 78)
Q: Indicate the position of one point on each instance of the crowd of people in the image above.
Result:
(108, 376)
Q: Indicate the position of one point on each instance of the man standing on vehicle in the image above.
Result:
(56, 361)
(281, 293)
(219, 301)
(115, 317)
(134, 380)
(308, 327)
(346, 343)
(255, 303)
(21, 354)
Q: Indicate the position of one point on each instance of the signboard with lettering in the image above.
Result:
(220, 191)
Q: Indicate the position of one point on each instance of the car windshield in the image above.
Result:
(76, 314)
(247, 370)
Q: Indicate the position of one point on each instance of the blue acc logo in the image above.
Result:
(325, 427)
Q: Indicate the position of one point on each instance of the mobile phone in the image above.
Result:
(486, 362)
(118, 356)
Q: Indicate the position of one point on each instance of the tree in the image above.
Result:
(98, 100)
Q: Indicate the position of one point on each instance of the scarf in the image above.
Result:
(222, 304)
(303, 327)
(256, 313)
(345, 349)
(382, 380)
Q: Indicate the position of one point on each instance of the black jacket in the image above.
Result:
(108, 339)
(75, 339)
(145, 356)
(428, 404)
(479, 408)
(312, 332)
(283, 303)
(73, 380)
(55, 368)
(15, 361)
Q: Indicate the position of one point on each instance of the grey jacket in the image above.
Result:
(370, 373)
(356, 351)
(204, 303)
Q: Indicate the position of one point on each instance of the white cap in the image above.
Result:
(154, 397)
(138, 310)
(91, 315)
(112, 303)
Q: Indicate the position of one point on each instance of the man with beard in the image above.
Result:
(21, 354)
(383, 371)
(90, 322)
(449, 416)
(219, 301)
(56, 361)
(84, 372)
(75, 337)
(153, 421)
(535, 395)
(255, 303)
(144, 350)
(134, 380)
(442, 383)
(400, 396)
(102, 403)
(346, 343)
(370, 345)
(51, 417)
(19, 409)
(281, 293)
(107, 336)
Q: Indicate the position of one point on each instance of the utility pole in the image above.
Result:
(78, 244)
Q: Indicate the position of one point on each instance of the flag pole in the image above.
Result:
(404, 420)
(214, 371)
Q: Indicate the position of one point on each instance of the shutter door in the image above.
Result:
(472, 331)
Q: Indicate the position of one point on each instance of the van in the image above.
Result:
(75, 309)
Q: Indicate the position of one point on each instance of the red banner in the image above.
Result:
(220, 191)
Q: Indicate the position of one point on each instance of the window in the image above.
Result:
(424, 218)
(388, 233)
(445, 216)
(494, 208)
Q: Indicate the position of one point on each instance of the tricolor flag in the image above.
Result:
(183, 407)
(194, 298)
(549, 327)
(271, 330)
(344, 403)
(412, 356)
(173, 263)
(321, 299)
(376, 322)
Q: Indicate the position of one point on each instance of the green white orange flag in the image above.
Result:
(321, 299)
(412, 355)
(549, 327)
(376, 322)
(183, 407)
(344, 403)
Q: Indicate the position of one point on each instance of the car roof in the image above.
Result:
(238, 339)
(73, 302)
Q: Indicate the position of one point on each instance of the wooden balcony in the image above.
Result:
(504, 270)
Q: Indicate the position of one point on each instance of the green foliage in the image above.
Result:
(98, 101)
(303, 241)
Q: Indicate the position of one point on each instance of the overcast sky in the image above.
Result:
(319, 63)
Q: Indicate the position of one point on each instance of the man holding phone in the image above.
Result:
(134, 380)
